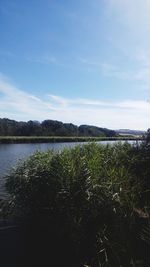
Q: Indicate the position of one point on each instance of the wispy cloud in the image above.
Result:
(126, 104)
(107, 69)
(143, 75)
(102, 65)
(140, 73)
(133, 14)
(143, 56)
(131, 36)
(17, 104)
(69, 63)
(20, 103)
(44, 60)
(77, 102)
(47, 59)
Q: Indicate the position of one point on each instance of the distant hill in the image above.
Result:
(129, 132)
(50, 128)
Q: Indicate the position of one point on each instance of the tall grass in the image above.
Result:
(87, 206)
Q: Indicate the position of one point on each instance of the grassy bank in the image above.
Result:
(55, 139)
(88, 206)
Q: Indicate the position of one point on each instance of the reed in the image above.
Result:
(54, 139)
(86, 206)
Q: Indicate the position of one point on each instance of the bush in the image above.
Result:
(82, 205)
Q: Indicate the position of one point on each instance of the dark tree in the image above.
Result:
(50, 128)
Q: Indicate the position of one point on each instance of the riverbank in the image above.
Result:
(57, 139)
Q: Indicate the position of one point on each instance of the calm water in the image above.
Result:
(11, 153)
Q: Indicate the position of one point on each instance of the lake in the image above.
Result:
(10, 154)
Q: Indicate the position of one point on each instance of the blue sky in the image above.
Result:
(83, 61)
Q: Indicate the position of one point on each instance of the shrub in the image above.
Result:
(82, 204)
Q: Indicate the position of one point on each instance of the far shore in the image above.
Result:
(58, 139)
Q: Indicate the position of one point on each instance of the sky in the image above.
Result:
(81, 61)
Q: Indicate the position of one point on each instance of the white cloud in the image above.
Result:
(47, 59)
(19, 102)
(143, 75)
(143, 56)
(127, 104)
(60, 100)
(19, 105)
(132, 13)
(107, 69)
(131, 35)
(43, 59)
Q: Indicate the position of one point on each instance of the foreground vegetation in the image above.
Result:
(88, 206)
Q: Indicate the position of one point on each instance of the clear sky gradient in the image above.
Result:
(81, 61)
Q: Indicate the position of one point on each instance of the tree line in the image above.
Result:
(50, 128)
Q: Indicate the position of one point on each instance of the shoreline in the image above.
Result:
(58, 139)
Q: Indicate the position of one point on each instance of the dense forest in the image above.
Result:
(50, 128)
